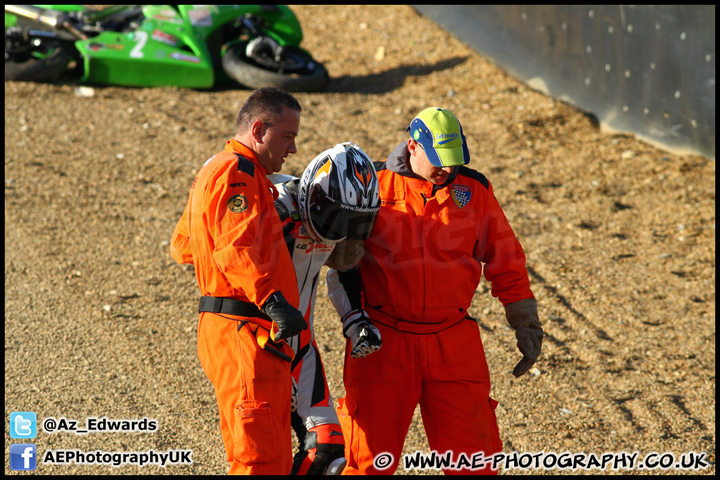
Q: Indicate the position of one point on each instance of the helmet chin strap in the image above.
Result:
(308, 229)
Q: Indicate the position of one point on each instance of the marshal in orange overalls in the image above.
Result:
(419, 273)
(231, 233)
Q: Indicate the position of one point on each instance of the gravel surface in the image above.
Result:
(619, 236)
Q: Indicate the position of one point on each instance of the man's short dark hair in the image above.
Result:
(265, 104)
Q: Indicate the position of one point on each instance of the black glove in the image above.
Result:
(523, 317)
(364, 337)
(289, 320)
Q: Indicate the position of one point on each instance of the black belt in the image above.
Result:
(230, 306)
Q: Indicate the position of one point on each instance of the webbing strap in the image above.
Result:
(230, 306)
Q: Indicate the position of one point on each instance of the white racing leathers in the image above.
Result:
(314, 403)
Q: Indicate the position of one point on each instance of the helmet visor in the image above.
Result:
(335, 221)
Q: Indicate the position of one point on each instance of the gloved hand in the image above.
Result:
(288, 319)
(523, 317)
(363, 335)
(323, 445)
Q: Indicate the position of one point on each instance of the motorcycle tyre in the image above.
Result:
(251, 76)
(44, 70)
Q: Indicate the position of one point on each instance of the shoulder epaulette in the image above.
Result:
(245, 165)
(474, 174)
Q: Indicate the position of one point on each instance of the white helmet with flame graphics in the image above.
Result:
(339, 195)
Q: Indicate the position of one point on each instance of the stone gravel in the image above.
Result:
(619, 236)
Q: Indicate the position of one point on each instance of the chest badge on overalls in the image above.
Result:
(461, 195)
(238, 203)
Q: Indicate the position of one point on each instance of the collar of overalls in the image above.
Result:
(399, 162)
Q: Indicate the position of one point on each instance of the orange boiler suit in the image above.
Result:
(231, 233)
(422, 265)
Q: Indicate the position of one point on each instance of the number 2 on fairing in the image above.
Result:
(141, 38)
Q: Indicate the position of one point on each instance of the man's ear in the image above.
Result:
(258, 131)
(412, 146)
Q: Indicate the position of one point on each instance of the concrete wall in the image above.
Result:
(647, 69)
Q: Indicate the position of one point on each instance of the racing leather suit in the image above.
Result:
(314, 402)
(416, 281)
(231, 233)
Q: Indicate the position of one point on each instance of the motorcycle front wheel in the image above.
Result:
(46, 66)
(313, 77)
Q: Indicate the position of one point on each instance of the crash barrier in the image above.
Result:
(645, 69)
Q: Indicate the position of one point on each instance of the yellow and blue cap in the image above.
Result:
(441, 136)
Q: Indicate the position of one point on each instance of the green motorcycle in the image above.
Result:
(194, 46)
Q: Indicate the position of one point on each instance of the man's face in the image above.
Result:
(421, 165)
(278, 140)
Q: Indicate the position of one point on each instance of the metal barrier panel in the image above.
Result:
(645, 69)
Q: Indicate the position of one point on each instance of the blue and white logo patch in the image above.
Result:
(461, 195)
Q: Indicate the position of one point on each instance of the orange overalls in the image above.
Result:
(231, 232)
(421, 267)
